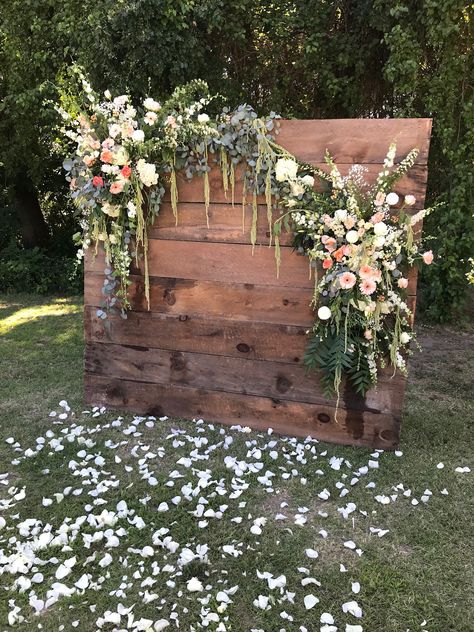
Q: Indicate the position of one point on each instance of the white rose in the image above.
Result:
(410, 200)
(151, 104)
(203, 118)
(285, 169)
(341, 214)
(138, 136)
(392, 199)
(380, 228)
(352, 236)
(324, 313)
(379, 241)
(307, 181)
(405, 338)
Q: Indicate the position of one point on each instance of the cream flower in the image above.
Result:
(138, 136)
(324, 313)
(392, 199)
(380, 228)
(203, 118)
(151, 104)
(285, 169)
(147, 173)
(307, 181)
(352, 236)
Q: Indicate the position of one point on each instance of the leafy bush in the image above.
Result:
(38, 271)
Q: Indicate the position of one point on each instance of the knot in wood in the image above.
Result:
(243, 348)
(282, 384)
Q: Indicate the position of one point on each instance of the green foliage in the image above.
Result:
(302, 58)
(38, 271)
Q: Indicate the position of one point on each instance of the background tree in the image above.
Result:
(302, 58)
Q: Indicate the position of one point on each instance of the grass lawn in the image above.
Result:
(137, 510)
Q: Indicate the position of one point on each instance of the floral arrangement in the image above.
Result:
(362, 239)
(359, 235)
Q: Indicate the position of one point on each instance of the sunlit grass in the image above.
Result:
(57, 307)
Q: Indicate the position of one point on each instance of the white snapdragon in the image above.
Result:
(285, 169)
(147, 173)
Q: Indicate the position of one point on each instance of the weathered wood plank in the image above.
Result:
(218, 336)
(225, 224)
(187, 297)
(233, 375)
(354, 427)
(359, 141)
(230, 263)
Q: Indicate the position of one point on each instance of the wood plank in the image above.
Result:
(362, 428)
(230, 263)
(218, 336)
(225, 224)
(359, 141)
(192, 190)
(233, 375)
(188, 297)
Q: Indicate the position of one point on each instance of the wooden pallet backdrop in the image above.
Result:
(224, 339)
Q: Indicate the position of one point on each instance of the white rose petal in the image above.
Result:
(310, 601)
(380, 229)
(194, 585)
(151, 104)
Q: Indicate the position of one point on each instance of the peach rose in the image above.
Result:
(379, 198)
(106, 156)
(88, 160)
(327, 263)
(377, 217)
(402, 283)
(428, 257)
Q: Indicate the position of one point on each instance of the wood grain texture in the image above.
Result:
(355, 427)
(188, 297)
(233, 375)
(355, 141)
(229, 263)
(225, 224)
(215, 335)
